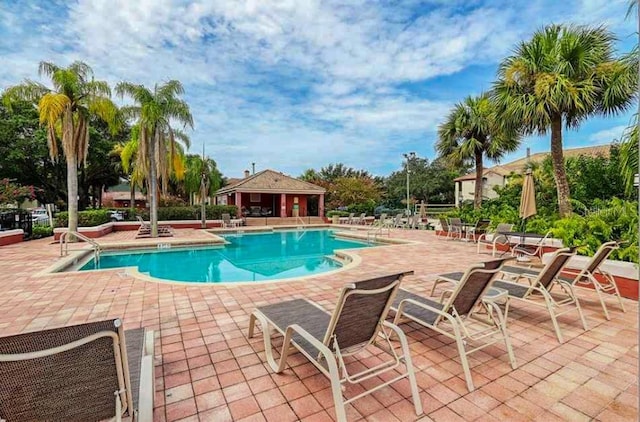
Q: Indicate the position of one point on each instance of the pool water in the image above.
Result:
(247, 257)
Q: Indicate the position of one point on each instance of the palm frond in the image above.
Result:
(29, 91)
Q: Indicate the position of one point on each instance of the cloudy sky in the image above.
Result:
(296, 84)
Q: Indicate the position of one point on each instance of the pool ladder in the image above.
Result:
(372, 234)
(64, 244)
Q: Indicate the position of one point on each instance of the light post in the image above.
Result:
(409, 157)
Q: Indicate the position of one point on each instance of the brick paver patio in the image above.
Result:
(208, 370)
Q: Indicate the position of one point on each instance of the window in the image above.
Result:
(254, 197)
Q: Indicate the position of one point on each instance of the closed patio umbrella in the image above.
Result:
(528, 198)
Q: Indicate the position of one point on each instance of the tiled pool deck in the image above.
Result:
(208, 370)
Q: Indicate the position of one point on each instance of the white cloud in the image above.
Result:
(606, 136)
(288, 84)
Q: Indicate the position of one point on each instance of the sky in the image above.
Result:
(298, 84)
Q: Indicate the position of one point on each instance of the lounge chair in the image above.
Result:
(164, 230)
(444, 228)
(495, 238)
(326, 339)
(537, 290)
(80, 373)
(588, 276)
(458, 315)
(350, 220)
(524, 250)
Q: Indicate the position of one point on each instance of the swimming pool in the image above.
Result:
(246, 257)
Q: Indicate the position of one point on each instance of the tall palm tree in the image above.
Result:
(66, 109)
(155, 111)
(562, 76)
(470, 132)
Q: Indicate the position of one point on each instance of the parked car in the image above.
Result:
(116, 215)
(39, 216)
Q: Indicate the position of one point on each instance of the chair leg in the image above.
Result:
(502, 325)
(406, 353)
(463, 357)
(435, 284)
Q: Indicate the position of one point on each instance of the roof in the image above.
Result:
(472, 176)
(518, 165)
(125, 196)
(270, 181)
(593, 151)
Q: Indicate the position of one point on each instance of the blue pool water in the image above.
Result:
(247, 257)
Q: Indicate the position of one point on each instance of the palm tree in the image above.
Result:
(629, 155)
(562, 76)
(471, 132)
(155, 112)
(195, 167)
(66, 109)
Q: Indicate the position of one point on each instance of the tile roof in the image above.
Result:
(271, 181)
(519, 164)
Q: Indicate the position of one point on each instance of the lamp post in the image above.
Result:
(409, 157)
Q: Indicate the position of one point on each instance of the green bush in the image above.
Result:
(39, 231)
(338, 213)
(214, 212)
(366, 207)
(89, 218)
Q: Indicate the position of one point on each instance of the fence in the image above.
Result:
(16, 219)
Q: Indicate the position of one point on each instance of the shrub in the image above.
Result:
(88, 218)
(338, 213)
(214, 212)
(366, 207)
(39, 231)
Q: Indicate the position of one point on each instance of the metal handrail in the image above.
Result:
(376, 231)
(64, 245)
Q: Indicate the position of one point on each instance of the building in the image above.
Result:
(498, 175)
(119, 196)
(269, 193)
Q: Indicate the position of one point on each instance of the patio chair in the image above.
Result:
(445, 230)
(458, 314)
(397, 221)
(495, 238)
(226, 221)
(84, 372)
(351, 219)
(164, 230)
(326, 339)
(587, 276)
(478, 229)
(537, 291)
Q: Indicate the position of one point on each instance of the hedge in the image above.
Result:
(85, 218)
(40, 231)
(97, 217)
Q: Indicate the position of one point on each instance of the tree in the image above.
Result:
(24, 155)
(430, 181)
(66, 110)
(155, 111)
(629, 156)
(563, 75)
(195, 167)
(472, 131)
(354, 190)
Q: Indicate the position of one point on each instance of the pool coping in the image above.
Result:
(75, 257)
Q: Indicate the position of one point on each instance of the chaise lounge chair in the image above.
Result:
(537, 291)
(588, 276)
(458, 316)
(80, 373)
(357, 322)
(226, 221)
(164, 230)
(495, 238)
